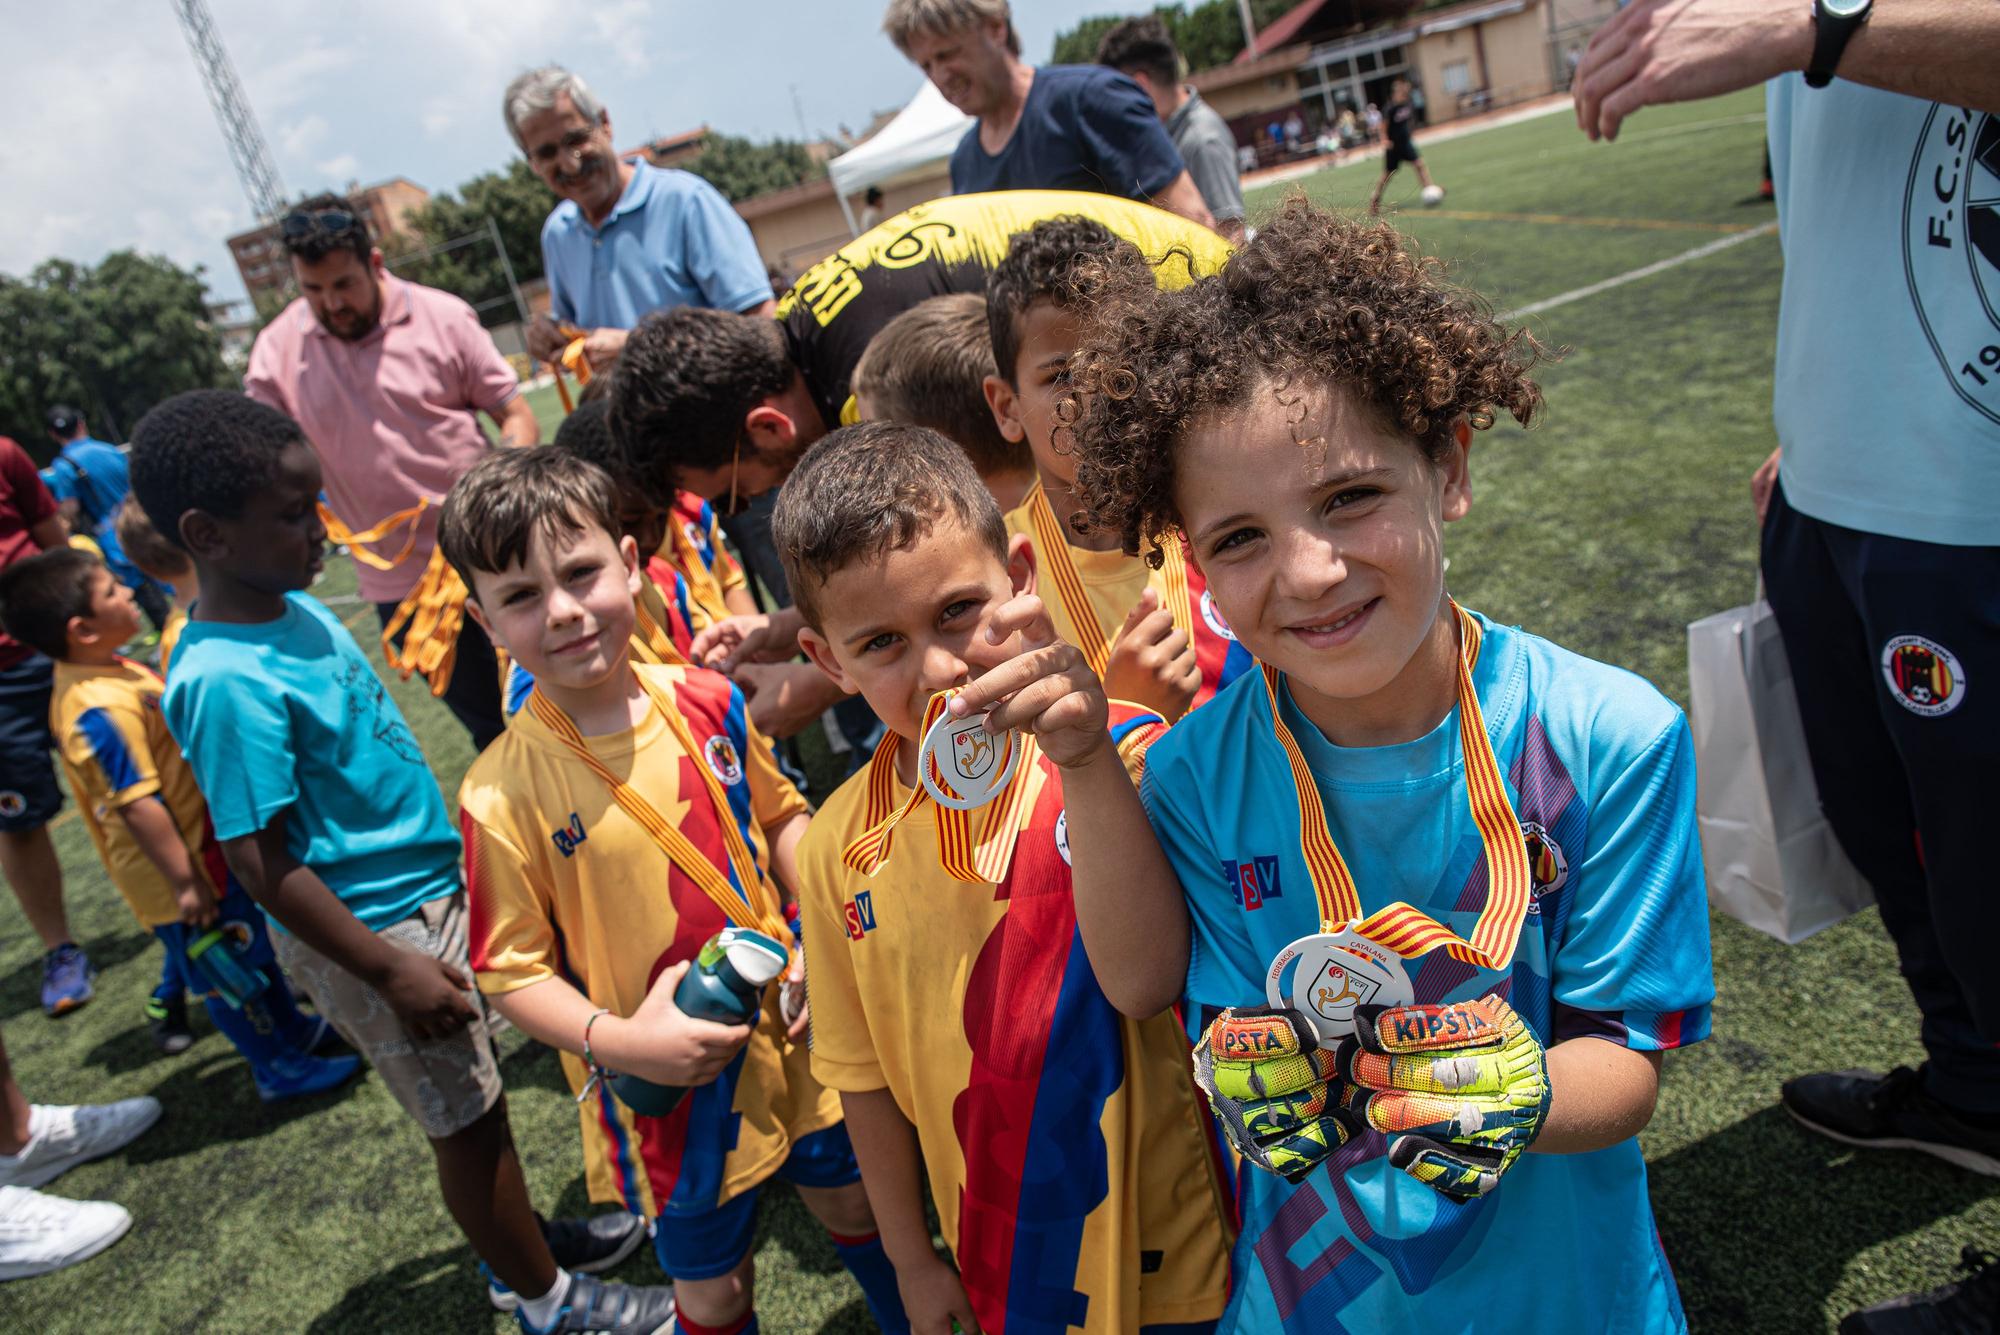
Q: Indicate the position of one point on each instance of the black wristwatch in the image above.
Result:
(1834, 23)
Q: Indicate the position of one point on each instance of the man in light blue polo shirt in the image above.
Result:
(628, 238)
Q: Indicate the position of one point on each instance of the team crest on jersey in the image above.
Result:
(860, 915)
(1213, 616)
(1548, 865)
(1062, 836)
(720, 753)
(12, 804)
(693, 532)
(1251, 883)
(1338, 990)
(1924, 676)
(1951, 250)
(569, 836)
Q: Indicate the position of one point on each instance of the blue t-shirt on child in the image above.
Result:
(1084, 127)
(287, 716)
(1600, 769)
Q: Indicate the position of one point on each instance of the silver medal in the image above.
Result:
(1337, 971)
(973, 764)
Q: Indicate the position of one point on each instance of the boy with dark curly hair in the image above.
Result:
(1153, 636)
(1459, 862)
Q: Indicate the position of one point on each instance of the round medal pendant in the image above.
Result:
(962, 765)
(1336, 972)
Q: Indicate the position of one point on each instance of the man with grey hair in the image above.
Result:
(628, 237)
(1060, 127)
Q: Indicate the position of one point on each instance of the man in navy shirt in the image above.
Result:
(1062, 127)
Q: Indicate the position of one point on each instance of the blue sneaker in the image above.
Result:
(296, 1077)
(66, 977)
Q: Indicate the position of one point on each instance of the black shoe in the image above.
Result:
(1890, 1112)
(1969, 1307)
(593, 1244)
(167, 1022)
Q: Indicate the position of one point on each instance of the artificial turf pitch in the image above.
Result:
(1622, 518)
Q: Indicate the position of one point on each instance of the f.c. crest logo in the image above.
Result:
(720, 753)
(1253, 882)
(1338, 990)
(693, 533)
(972, 753)
(1925, 677)
(1212, 614)
(567, 838)
(1548, 865)
(860, 915)
(12, 804)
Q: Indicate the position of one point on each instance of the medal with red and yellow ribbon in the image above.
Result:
(1358, 960)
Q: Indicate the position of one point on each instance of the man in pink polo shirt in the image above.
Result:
(387, 378)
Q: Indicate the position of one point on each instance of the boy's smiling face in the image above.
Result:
(278, 543)
(900, 627)
(1026, 409)
(1330, 570)
(565, 612)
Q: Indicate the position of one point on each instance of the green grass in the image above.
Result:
(1622, 518)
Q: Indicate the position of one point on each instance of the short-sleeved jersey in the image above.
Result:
(1082, 127)
(287, 718)
(170, 636)
(564, 884)
(1068, 1156)
(1600, 769)
(694, 548)
(116, 751)
(951, 245)
(1113, 582)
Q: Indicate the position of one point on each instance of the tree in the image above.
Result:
(113, 340)
(516, 200)
(1208, 35)
(741, 168)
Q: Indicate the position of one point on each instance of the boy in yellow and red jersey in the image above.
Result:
(1070, 1161)
(1035, 302)
(137, 796)
(588, 903)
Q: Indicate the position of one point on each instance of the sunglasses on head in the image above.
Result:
(325, 222)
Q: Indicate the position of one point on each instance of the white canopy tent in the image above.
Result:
(920, 136)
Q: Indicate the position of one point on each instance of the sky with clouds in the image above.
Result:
(114, 145)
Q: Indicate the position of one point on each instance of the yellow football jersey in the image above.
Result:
(170, 636)
(694, 547)
(564, 883)
(116, 750)
(1072, 1165)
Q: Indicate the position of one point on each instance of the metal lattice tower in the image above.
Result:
(232, 111)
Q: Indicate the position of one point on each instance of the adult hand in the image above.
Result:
(428, 996)
(546, 339)
(601, 347)
(664, 1044)
(1152, 661)
(1656, 51)
(785, 698)
(1762, 483)
(754, 638)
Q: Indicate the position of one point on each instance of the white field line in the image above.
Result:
(1643, 271)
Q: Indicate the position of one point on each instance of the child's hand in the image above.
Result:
(933, 1298)
(1048, 689)
(428, 996)
(196, 903)
(734, 641)
(794, 1006)
(664, 1044)
(1152, 661)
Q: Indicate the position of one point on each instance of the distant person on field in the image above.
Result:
(40, 1142)
(871, 207)
(89, 481)
(628, 238)
(1143, 51)
(329, 816)
(1880, 528)
(138, 800)
(29, 794)
(1060, 127)
(1399, 143)
(388, 379)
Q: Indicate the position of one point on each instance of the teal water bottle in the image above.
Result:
(725, 985)
(215, 956)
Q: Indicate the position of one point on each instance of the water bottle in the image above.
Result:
(214, 955)
(725, 985)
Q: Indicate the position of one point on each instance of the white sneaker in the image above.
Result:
(61, 1138)
(42, 1233)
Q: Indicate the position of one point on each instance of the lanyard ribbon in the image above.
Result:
(1406, 930)
(339, 532)
(649, 633)
(578, 365)
(1052, 547)
(754, 905)
(986, 860)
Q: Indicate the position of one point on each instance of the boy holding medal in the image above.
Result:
(627, 815)
(1067, 1153)
(1460, 862)
(1154, 636)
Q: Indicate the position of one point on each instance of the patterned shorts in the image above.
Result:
(446, 1085)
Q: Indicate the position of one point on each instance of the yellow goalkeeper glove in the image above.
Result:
(1266, 1077)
